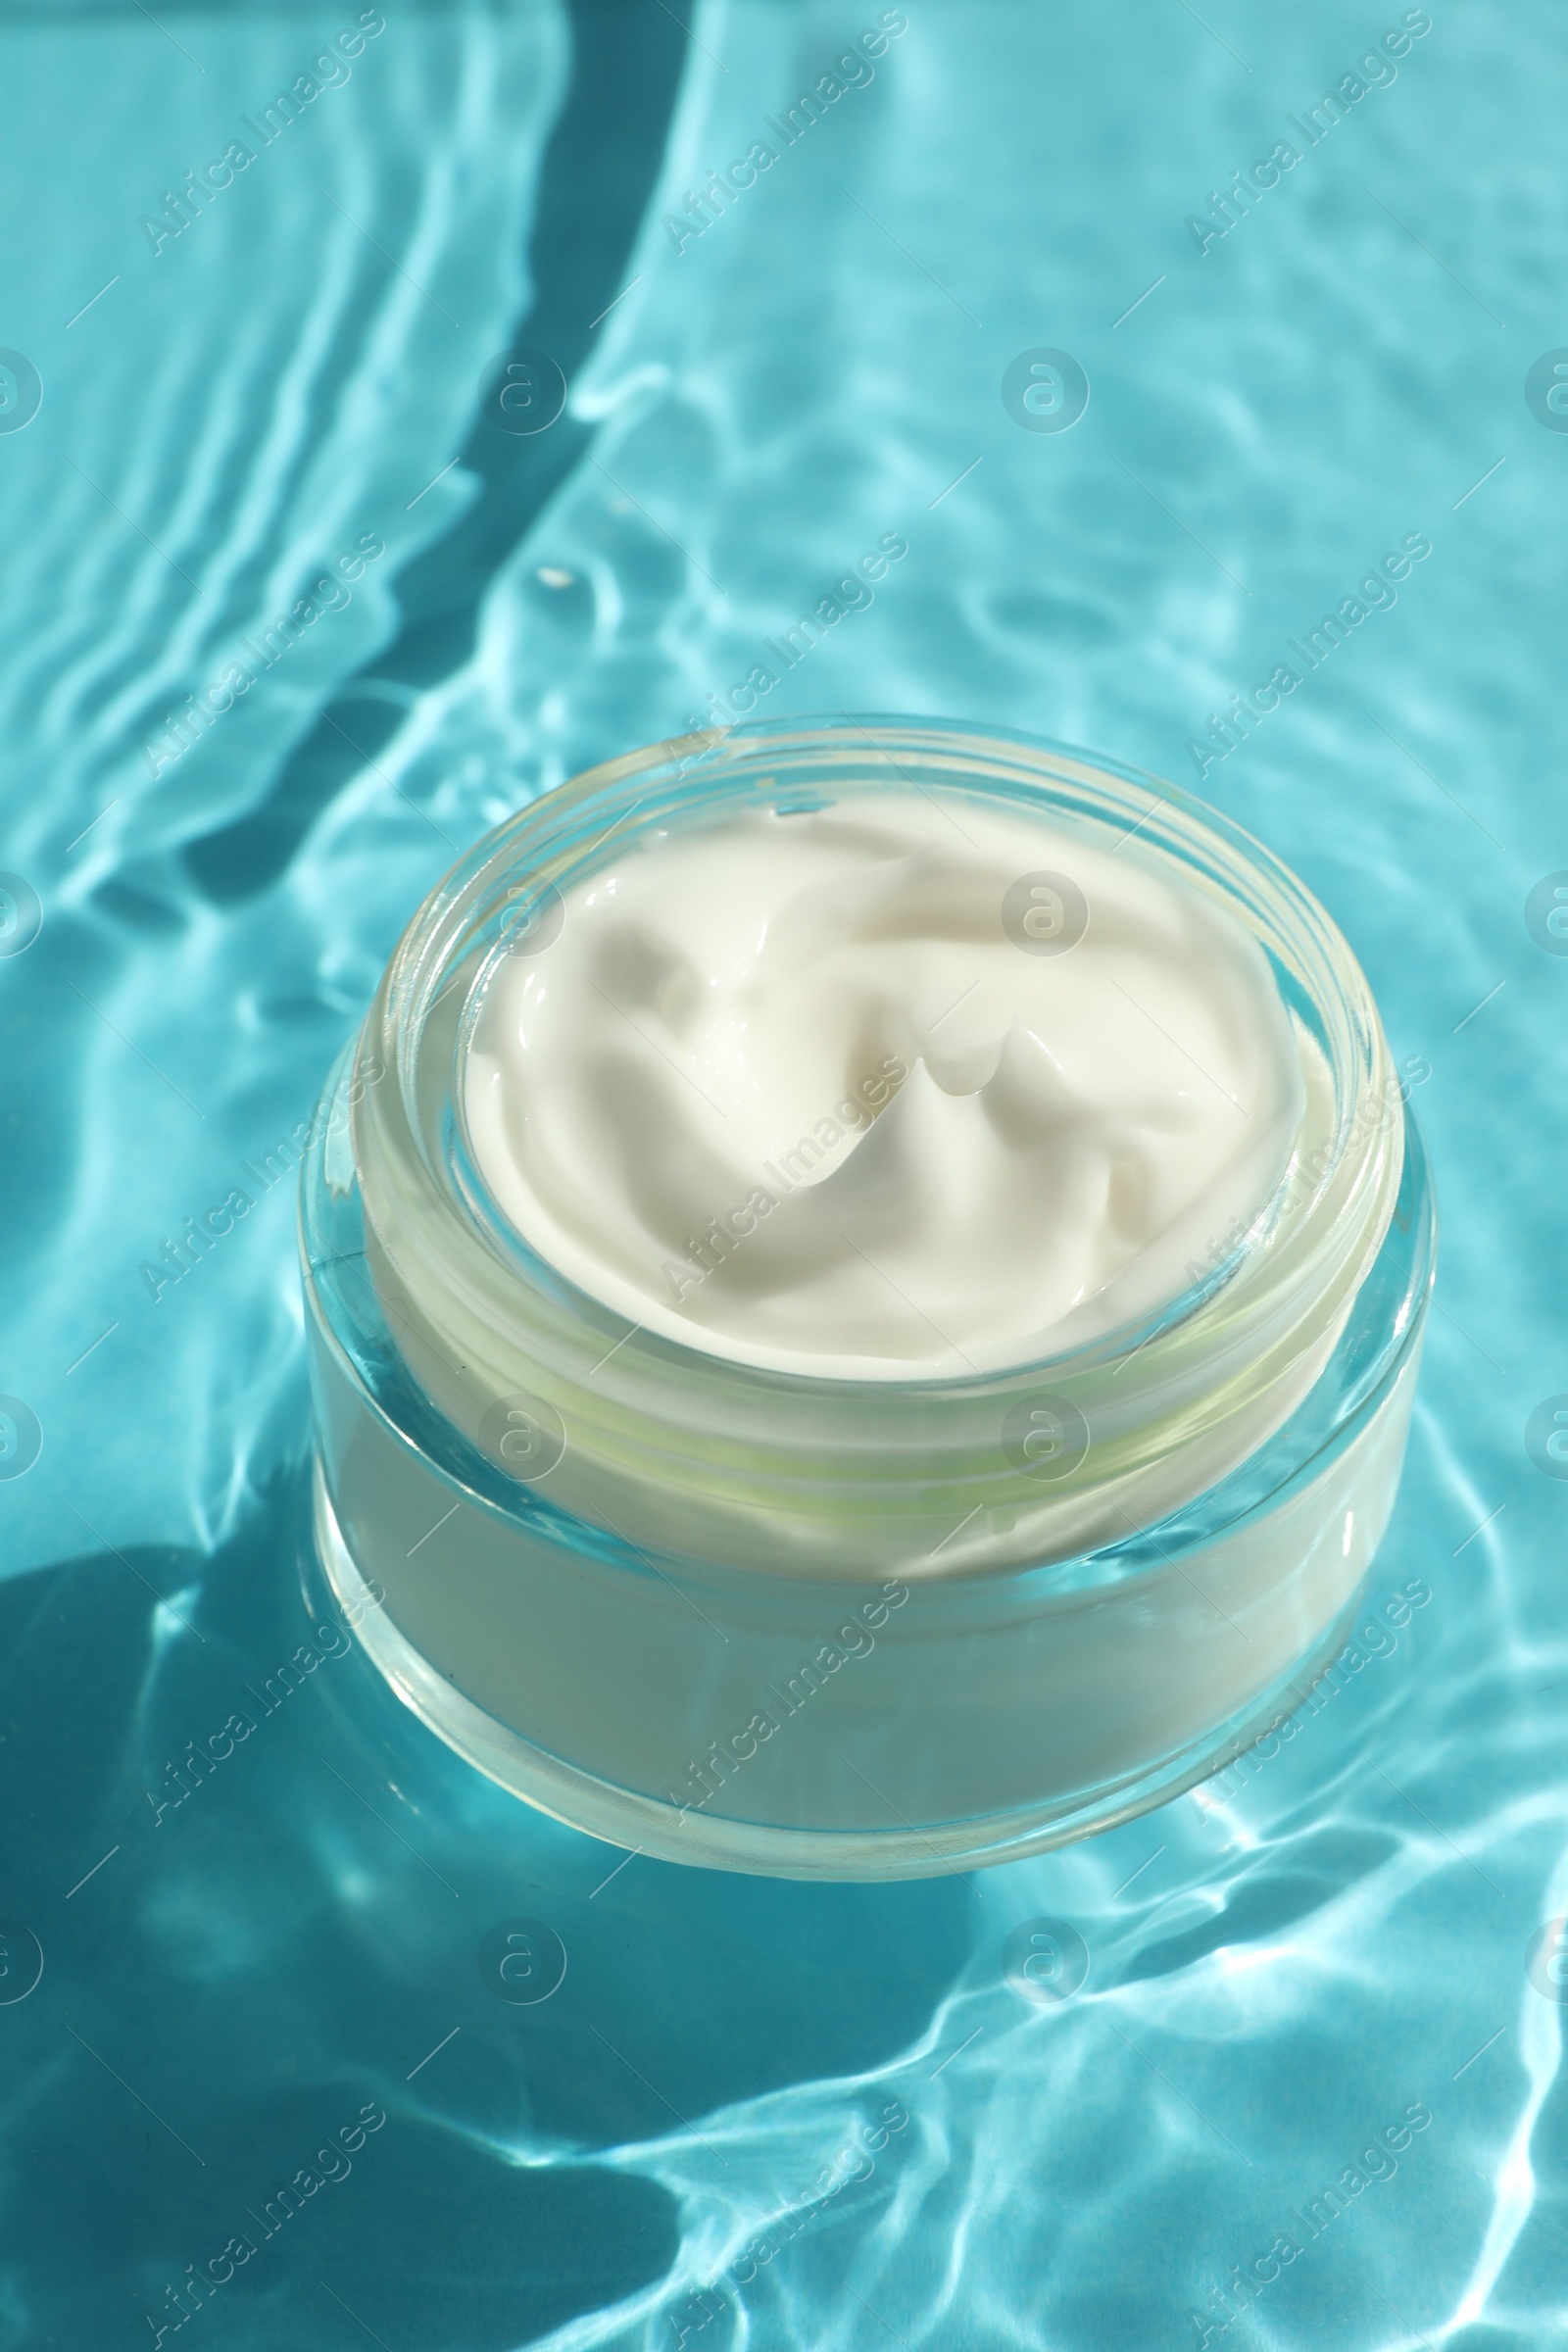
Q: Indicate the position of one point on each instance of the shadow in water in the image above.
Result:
(262, 1889)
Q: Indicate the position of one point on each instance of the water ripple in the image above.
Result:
(695, 2142)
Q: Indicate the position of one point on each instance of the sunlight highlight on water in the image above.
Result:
(696, 2140)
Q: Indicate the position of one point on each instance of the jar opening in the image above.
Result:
(695, 1452)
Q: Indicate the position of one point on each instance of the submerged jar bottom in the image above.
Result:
(892, 1729)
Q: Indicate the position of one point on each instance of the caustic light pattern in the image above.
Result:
(940, 405)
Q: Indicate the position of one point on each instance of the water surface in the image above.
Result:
(752, 2113)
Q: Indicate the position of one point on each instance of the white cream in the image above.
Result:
(883, 1090)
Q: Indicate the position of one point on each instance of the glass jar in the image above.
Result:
(831, 1628)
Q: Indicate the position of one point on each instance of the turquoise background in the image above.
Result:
(694, 2140)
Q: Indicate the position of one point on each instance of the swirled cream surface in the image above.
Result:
(892, 1090)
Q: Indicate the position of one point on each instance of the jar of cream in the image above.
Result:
(864, 1284)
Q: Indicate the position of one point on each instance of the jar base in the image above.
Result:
(642, 1825)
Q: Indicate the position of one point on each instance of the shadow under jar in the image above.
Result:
(847, 1627)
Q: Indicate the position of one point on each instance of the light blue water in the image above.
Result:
(1279, 1969)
